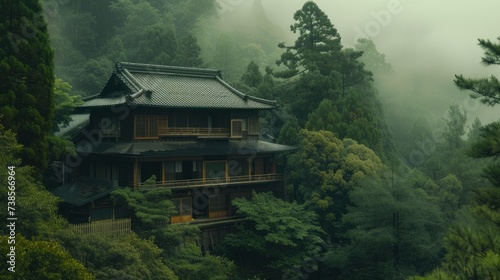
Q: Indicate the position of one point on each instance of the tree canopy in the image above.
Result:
(473, 250)
(26, 85)
(279, 236)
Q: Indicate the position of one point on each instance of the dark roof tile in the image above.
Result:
(175, 87)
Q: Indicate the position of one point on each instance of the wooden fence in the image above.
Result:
(116, 227)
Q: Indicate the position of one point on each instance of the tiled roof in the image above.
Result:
(190, 148)
(77, 123)
(84, 190)
(173, 87)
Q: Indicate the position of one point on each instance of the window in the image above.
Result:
(162, 125)
(218, 206)
(269, 165)
(236, 128)
(173, 170)
(146, 127)
(111, 123)
(244, 124)
(253, 125)
(215, 169)
(183, 206)
(237, 167)
(178, 166)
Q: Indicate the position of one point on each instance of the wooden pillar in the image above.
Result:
(135, 173)
(226, 173)
(250, 162)
(274, 164)
(163, 172)
(203, 173)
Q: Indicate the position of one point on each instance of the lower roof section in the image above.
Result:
(84, 191)
(208, 148)
(76, 125)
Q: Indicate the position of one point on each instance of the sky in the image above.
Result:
(420, 31)
(426, 42)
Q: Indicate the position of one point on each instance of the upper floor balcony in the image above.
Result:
(208, 182)
(187, 173)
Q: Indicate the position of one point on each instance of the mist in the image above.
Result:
(203, 139)
(426, 43)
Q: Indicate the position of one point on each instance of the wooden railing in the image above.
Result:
(215, 181)
(195, 131)
(110, 133)
(116, 227)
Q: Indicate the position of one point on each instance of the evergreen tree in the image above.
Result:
(373, 60)
(474, 247)
(27, 80)
(394, 230)
(317, 43)
(455, 126)
(278, 237)
(485, 89)
(65, 103)
(188, 52)
(252, 77)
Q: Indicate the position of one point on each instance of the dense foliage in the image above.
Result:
(360, 205)
(473, 249)
(278, 238)
(27, 80)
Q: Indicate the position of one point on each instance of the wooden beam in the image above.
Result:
(162, 171)
(226, 173)
(135, 173)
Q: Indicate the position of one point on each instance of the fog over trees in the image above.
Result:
(392, 105)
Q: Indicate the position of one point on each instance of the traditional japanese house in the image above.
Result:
(185, 128)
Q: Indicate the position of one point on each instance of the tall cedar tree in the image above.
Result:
(27, 80)
(318, 40)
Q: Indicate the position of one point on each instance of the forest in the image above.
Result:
(375, 190)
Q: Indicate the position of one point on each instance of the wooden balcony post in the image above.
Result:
(135, 173)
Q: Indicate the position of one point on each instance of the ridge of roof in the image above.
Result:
(132, 80)
(246, 96)
(165, 69)
(173, 87)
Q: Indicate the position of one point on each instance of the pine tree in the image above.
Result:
(317, 43)
(252, 77)
(27, 80)
(474, 248)
(188, 52)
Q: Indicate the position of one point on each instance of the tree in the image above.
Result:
(118, 257)
(325, 117)
(26, 61)
(488, 91)
(455, 126)
(252, 76)
(485, 89)
(225, 57)
(326, 169)
(151, 207)
(38, 208)
(318, 41)
(188, 52)
(277, 236)
(394, 230)
(65, 104)
(373, 60)
(188, 262)
(39, 259)
(474, 248)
